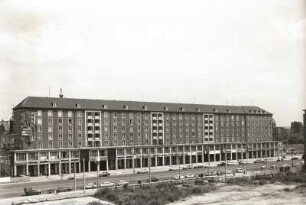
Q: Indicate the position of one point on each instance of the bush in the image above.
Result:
(94, 203)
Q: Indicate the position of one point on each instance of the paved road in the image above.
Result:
(16, 189)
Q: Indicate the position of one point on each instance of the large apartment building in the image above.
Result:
(58, 135)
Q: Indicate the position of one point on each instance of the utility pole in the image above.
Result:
(304, 140)
(74, 176)
(84, 175)
(97, 173)
(149, 161)
(179, 161)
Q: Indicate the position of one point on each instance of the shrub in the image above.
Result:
(94, 203)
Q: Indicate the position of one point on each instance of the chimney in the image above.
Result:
(61, 93)
(304, 133)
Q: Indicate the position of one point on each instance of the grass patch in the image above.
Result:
(152, 195)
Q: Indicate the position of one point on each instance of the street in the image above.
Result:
(17, 189)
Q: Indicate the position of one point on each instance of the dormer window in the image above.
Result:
(144, 107)
(104, 106)
(215, 110)
(182, 109)
(228, 110)
(53, 104)
(198, 109)
(126, 107)
(165, 108)
(78, 105)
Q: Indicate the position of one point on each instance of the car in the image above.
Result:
(231, 163)
(107, 184)
(51, 191)
(70, 178)
(30, 191)
(239, 170)
(63, 189)
(294, 158)
(189, 175)
(104, 174)
(178, 176)
(273, 167)
(172, 169)
(258, 161)
(142, 171)
(221, 164)
(153, 179)
(242, 162)
(263, 167)
(121, 183)
(91, 186)
(189, 166)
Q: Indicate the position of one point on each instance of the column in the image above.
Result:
(124, 159)
(38, 169)
(190, 155)
(49, 169)
(59, 168)
(27, 164)
(231, 154)
(15, 171)
(163, 156)
(116, 161)
(184, 156)
(107, 165)
(98, 160)
(89, 170)
(196, 154)
(133, 158)
(202, 154)
(214, 153)
(155, 150)
(69, 165)
(79, 166)
(170, 154)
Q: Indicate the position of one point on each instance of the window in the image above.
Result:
(70, 121)
(50, 113)
(70, 144)
(79, 121)
(39, 113)
(60, 137)
(50, 137)
(69, 113)
(60, 121)
(40, 145)
(69, 136)
(39, 129)
(70, 129)
(53, 104)
(50, 129)
(60, 129)
(79, 114)
(39, 121)
(50, 144)
(59, 113)
(79, 128)
(80, 136)
(106, 143)
(50, 121)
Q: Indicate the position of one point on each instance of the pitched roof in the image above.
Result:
(94, 104)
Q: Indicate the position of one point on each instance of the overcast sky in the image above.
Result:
(232, 52)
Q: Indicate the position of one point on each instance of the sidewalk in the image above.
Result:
(127, 171)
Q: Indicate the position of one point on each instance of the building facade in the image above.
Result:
(58, 135)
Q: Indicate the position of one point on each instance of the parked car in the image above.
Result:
(121, 183)
(141, 171)
(91, 186)
(51, 191)
(221, 164)
(231, 163)
(189, 166)
(70, 178)
(172, 169)
(104, 174)
(30, 191)
(63, 189)
(258, 161)
(263, 167)
(107, 184)
(239, 170)
(189, 175)
(153, 179)
(178, 176)
(294, 158)
(273, 167)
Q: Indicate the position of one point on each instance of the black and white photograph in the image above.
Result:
(141, 102)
